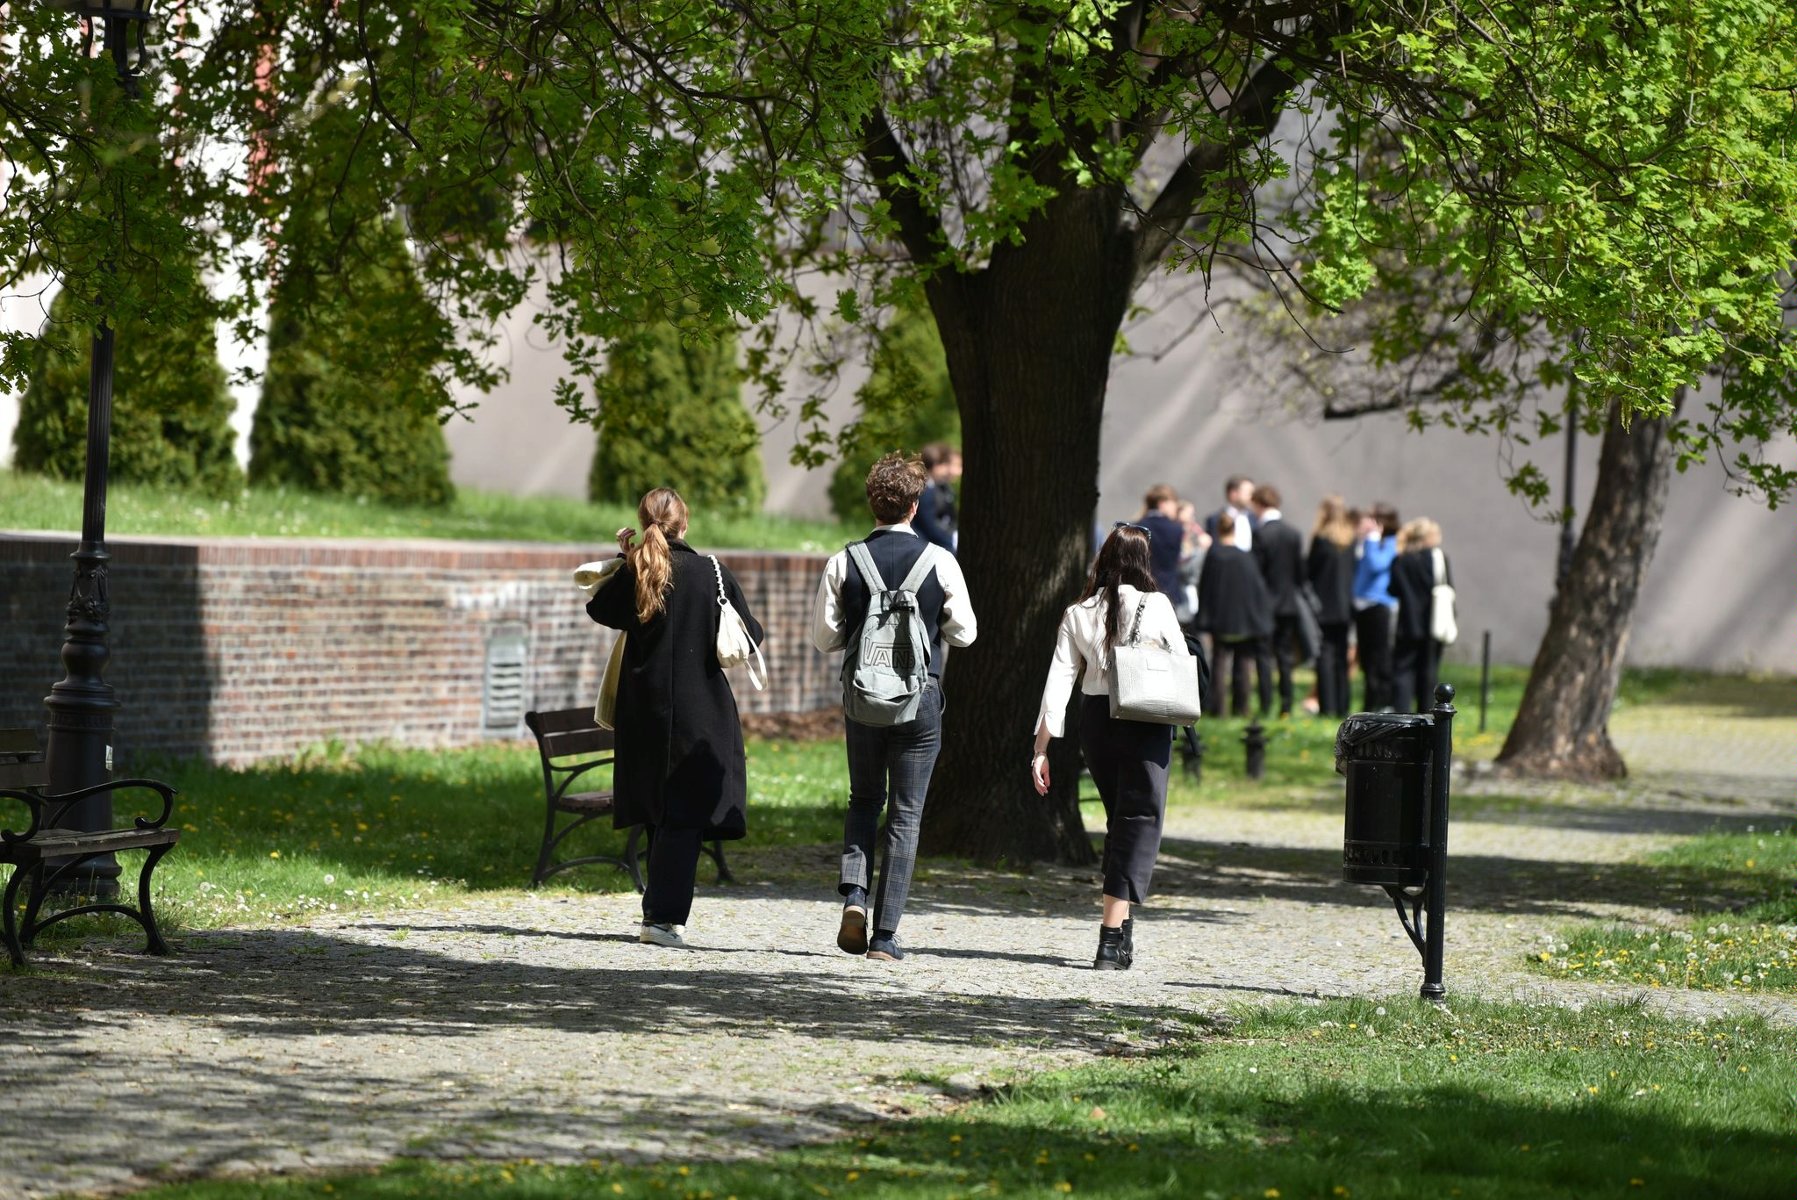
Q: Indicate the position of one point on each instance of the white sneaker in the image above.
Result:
(663, 935)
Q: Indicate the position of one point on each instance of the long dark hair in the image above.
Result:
(1122, 559)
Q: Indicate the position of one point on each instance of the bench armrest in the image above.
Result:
(567, 775)
(34, 803)
(63, 801)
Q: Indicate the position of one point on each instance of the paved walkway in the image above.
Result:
(531, 1026)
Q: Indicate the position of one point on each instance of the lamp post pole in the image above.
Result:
(81, 706)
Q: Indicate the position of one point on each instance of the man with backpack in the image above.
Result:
(892, 603)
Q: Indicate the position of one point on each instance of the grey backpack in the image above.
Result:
(888, 662)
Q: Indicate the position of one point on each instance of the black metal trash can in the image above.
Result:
(1388, 759)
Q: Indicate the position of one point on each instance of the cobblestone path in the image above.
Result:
(531, 1026)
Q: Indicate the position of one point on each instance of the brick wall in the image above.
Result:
(241, 649)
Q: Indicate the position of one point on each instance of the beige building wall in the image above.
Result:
(1722, 593)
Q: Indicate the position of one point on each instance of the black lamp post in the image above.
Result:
(81, 707)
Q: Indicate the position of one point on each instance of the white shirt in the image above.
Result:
(1081, 640)
(1244, 528)
(829, 627)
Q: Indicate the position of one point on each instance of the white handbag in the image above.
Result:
(1443, 625)
(735, 647)
(1153, 683)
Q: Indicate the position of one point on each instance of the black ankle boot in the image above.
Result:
(1110, 949)
(1129, 942)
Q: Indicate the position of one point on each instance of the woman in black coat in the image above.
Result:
(680, 765)
(1416, 655)
(1235, 609)
(1330, 568)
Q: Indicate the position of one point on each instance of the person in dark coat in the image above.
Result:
(1166, 536)
(1234, 608)
(938, 520)
(1279, 553)
(1416, 655)
(680, 766)
(1330, 568)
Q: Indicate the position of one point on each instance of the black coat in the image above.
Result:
(1279, 553)
(1331, 571)
(1413, 583)
(1232, 597)
(1165, 541)
(680, 740)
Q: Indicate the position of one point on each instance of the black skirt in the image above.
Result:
(1128, 760)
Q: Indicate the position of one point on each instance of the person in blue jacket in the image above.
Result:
(1375, 607)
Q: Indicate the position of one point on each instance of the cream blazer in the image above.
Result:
(1081, 641)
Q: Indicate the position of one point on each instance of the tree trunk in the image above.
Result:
(1562, 729)
(1028, 342)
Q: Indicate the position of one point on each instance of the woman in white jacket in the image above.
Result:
(1128, 759)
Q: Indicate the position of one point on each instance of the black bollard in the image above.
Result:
(1255, 739)
(1191, 753)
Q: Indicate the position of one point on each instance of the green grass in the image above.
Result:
(29, 502)
(1749, 950)
(1346, 1099)
(382, 828)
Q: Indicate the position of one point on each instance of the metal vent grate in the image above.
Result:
(503, 698)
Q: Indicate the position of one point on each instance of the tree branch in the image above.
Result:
(1248, 117)
(919, 229)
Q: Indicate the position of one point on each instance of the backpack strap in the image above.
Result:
(870, 570)
(920, 570)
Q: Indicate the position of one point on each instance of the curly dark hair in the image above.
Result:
(893, 486)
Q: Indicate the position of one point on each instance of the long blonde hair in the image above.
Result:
(662, 514)
(1333, 524)
(1420, 534)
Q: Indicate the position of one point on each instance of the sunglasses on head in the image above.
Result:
(1141, 529)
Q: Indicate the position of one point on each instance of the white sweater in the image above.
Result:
(1081, 640)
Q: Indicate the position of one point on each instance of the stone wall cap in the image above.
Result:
(202, 547)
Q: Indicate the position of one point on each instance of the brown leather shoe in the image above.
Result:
(851, 935)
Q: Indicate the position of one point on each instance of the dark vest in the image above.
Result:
(895, 553)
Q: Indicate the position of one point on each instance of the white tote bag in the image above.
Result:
(1443, 626)
(735, 647)
(1153, 683)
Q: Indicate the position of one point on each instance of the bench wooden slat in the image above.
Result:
(587, 802)
(62, 843)
(19, 775)
(560, 720)
(18, 743)
(577, 742)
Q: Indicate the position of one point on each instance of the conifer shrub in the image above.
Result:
(906, 403)
(672, 415)
(171, 408)
(352, 395)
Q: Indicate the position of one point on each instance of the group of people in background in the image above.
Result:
(895, 601)
(1360, 593)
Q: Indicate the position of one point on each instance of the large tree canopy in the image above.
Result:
(1621, 174)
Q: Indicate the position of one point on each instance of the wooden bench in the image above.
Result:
(43, 855)
(569, 744)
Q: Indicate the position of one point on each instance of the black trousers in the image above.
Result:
(1128, 761)
(673, 869)
(1415, 666)
(1281, 651)
(889, 769)
(1372, 631)
(1333, 696)
(1231, 660)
